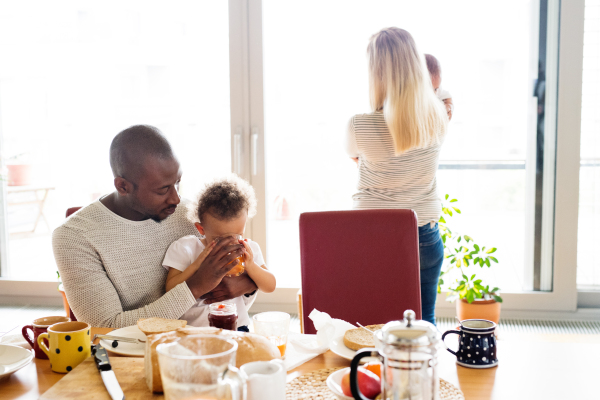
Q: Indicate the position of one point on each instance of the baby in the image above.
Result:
(223, 208)
(435, 73)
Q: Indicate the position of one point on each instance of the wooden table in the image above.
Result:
(530, 367)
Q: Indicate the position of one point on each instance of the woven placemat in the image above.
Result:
(312, 386)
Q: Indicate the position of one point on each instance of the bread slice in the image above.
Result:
(357, 339)
(150, 326)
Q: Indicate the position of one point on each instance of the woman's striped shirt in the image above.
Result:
(389, 181)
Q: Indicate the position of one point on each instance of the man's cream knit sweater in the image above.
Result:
(111, 267)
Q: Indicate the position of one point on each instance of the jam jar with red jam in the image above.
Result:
(223, 315)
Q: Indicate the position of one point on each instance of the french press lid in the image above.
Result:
(409, 332)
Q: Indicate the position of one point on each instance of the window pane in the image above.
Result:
(316, 79)
(75, 74)
(588, 268)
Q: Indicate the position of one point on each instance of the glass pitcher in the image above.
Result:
(201, 367)
(408, 350)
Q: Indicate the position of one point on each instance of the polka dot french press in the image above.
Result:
(408, 350)
(477, 346)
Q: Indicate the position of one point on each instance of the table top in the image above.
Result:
(533, 366)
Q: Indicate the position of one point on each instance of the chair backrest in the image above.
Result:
(71, 211)
(360, 265)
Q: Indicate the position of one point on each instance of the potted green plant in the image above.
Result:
(476, 300)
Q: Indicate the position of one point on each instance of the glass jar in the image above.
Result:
(223, 315)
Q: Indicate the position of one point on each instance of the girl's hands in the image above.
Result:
(248, 252)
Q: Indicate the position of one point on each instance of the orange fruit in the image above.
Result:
(374, 367)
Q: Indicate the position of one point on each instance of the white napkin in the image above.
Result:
(327, 329)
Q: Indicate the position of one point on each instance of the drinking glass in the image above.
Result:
(275, 326)
(238, 265)
(200, 367)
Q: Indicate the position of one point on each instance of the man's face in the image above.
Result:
(157, 189)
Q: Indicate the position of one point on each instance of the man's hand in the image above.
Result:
(215, 266)
(230, 288)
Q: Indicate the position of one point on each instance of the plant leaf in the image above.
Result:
(442, 219)
(452, 201)
(470, 296)
(494, 259)
(497, 298)
(492, 250)
(447, 196)
(457, 210)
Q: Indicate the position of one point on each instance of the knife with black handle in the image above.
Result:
(106, 372)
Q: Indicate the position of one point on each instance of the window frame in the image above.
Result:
(248, 150)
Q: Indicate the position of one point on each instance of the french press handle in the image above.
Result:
(354, 371)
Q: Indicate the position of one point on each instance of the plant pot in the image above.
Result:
(68, 310)
(479, 309)
(19, 174)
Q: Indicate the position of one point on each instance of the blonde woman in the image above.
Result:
(397, 146)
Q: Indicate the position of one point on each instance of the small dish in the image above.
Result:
(334, 383)
(12, 359)
(126, 349)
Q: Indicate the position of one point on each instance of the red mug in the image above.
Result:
(39, 326)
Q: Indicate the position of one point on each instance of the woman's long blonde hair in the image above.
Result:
(400, 85)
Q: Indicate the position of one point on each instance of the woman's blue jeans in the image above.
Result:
(431, 257)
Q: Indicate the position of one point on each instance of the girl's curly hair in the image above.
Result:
(226, 198)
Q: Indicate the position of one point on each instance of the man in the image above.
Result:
(109, 253)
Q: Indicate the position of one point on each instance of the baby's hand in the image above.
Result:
(249, 255)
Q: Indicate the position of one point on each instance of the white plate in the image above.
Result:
(12, 359)
(339, 348)
(126, 349)
(334, 383)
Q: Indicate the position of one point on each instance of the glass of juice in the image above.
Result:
(223, 315)
(238, 265)
(275, 326)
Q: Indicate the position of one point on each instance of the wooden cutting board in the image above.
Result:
(84, 382)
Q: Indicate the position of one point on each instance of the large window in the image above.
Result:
(588, 275)
(265, 88)
(72, 75)
(489, 158)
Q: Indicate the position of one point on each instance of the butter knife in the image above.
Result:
(106, 372)
(116, 339)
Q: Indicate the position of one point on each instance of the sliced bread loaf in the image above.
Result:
(359, 338)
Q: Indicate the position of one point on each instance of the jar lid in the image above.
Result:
(409, 332)
(222, 308)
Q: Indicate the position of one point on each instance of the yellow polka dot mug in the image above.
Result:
(70, 344)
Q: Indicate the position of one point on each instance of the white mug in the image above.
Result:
(266, 380)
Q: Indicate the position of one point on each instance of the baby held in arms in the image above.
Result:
(435, 73)
(223, 209)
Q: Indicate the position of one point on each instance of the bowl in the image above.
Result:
(12, 359)
(334, 383)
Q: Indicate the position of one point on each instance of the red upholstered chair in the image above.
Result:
(72, 210)
(360, 265)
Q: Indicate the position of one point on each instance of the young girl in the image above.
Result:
(223, 208)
